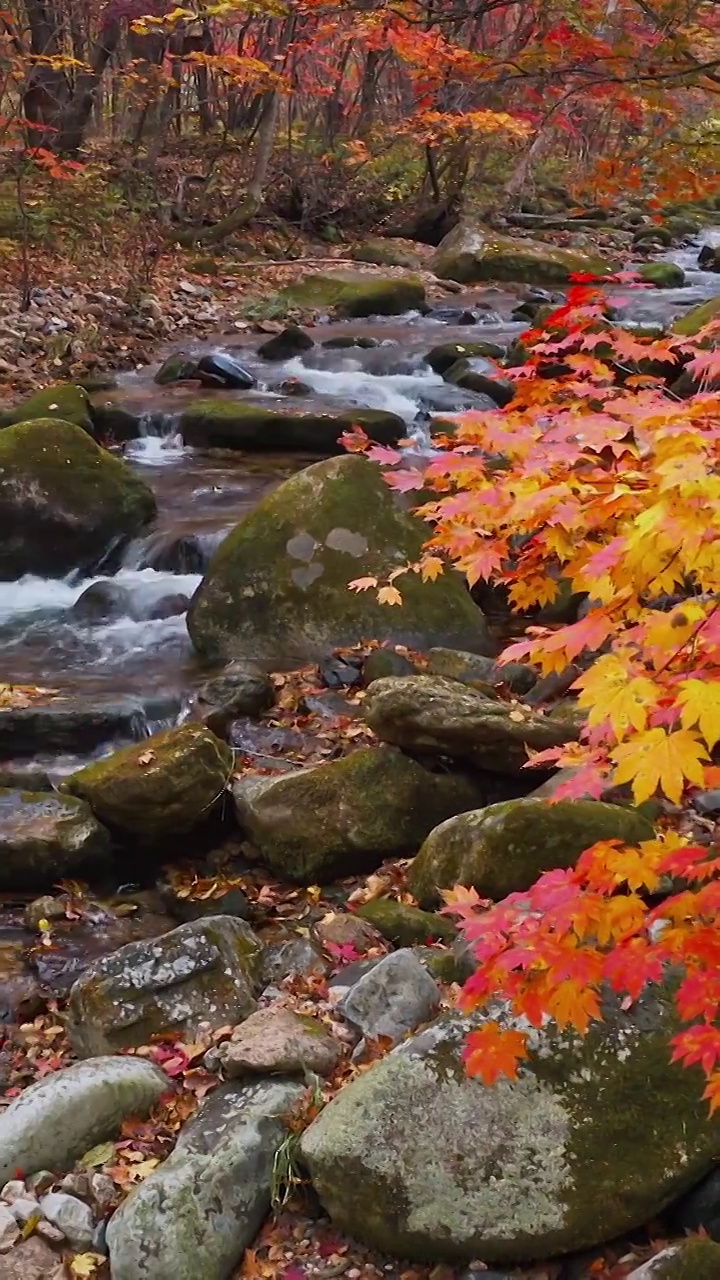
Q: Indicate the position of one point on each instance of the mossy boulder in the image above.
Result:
(291, 341)
(691, 1260)
(64, 501)
(482, 376)
(277, 587)
(165, 785)
(44, 837)
(664, 275)
(697, 318)
(596, 1136)
(504, 848)
(443, 357)
(479, 672)
(387, 253)
(472, 253)
(433, 715)
(62, 400)
(347, 815)
(230, 424)
(356, 294)
(405, 925)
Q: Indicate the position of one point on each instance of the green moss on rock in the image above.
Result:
(165, 785)
(405, 925)
(230, 424)
(64, 501)
(697, 318)
(355, 294)
(664, 275)
(504, 848)
(278, 585)
(387, 253)
(63, 400)
(44, 836)
(693, 1260)
(443, 357)
(472, 253)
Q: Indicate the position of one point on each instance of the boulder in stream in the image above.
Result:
(291, 341)
(278, 584)
(165, 785)
(472, 253)
(443, 357)
(62, 401)
(596, 1136)
(73, 724)
(61, 1117)
(221, 369)
(45, 836)
(197, 1213)
(229, 424)
(64, 501)
(664, 275)
(357, 294)
(697, 318)
(242, 689)
(205, 971)
(345, 816)
(478, 374)
(178, 367)
(504, 848)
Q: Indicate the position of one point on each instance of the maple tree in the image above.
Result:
(601, 480)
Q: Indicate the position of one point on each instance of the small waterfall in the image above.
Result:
(159, 443)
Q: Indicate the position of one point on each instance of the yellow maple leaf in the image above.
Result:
(389, 595)
(430, 568)
(84, 1265)
(700, 702)
(660, 760)
(609, 693)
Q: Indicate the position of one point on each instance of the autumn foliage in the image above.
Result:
(602, 480)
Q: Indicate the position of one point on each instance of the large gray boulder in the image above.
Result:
(61, 1117)
(197, 1213)
(595, 1137)
(64, 501)
(204, 971)
(472, 253)
(278, 586)
(347, 815)
(44, 836)
(395, 996)
(434, 715)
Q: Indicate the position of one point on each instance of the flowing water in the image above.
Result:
(202, 495)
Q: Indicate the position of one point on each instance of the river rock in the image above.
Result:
(697, 318)
(690, 1260)
(103, 602)
(480, 672)
(357, 294)
(291, 341)
(430, 714)
(387, 253)
(205, 1203)
(444, 356)
(62, 401)
(664, 275)
(204, 971)
(346, 929)
(394, 997)
(242, 689)
(348, 815)
(594, 1138)
(165, 785)
(70, 1216)
(70, 724)
(405, 925)
(64, 501)
(178, 367)
(44, 836)
(30, 1259)
(61, 1117)
(472, 253)
(220, 369)
(278, 585)
(276, 1040)
(504, 848)
(231, 424)
(481, 376)
(699, 1210)
(291, 955)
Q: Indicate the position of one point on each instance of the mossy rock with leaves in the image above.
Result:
(697, 318)
(356, 295)
(228, 424)
(472, 253)
(165, 785)
(387, 253)
(664, 275)
(278, 586)
(505, 848)
(64, 401)
(443, 357)
(595, 1137)
(697, 1259)
(406, 925)
(64, 501)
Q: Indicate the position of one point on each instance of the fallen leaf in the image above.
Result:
(97, 1156)
(146, 757)
(85, 1264)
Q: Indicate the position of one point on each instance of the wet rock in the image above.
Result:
(483, 377)
(557, 1161)
(293, 387)
(208, 1199)
(386, 253)
(44, 908)
(504, 848)
(290, 956)
(241, 689)
(664, 275)
(291, 341)
(114, 424)
(103, 602)
(340, 673)
(221, 369)
(358, 295)
(278, 585)
(453, 315)
(256, 428)
(480, 672)
(70, 1216)
(16, 775)
(697, 318)
(61, 1117)
(430, 714)
(64, 501)
(394, 997)
(69, 725)
(709, 258)
(168, 784)
(201, 972)
(382, 663)
(9, 1229)
(44, 837)
(183, 554)
(689, 1260)
(346, 341)
(443, 357)
(699, 1210)
(77, 944)
(329, 706)
(20, 995)
(346, 815)
(405, 925)
(473, 253)
(63, 401)
(276, 1040)
(267, 743)
(341, 929)
(231, 903)
(177, 368)
(170, 606)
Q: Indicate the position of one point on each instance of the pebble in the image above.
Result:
(13, 1190)
(76, 1184)
(49, 1232)
(41, 1181)
(73, 1218)
(24, 1208)
(102, 1190)
(9, 1229)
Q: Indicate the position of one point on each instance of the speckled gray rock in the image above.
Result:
(277, 1041)
(197, 1213)
(395, 997)
(44, 836)
(61, 1117)
(70, 1216)
(595, 1137)
(203, 971)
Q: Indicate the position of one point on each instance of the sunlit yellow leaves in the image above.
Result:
(389, 595)
(660, 760)
(667, 633)
(700, 702)
(613, 695)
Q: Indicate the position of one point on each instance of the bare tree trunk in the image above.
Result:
(76, 116)
(46, 89)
